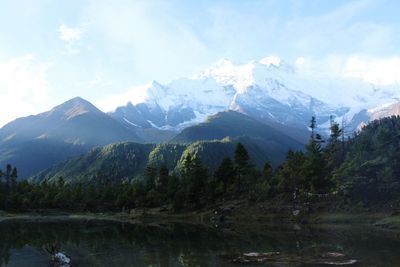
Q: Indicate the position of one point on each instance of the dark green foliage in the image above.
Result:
(369, 174)
(189, 187)
(162, 180)
(267, 171)
(242, 166)
(371, 170)
(194, 178)
(305, 171)
(166, 154)
(234, 124)
(271, 139)
(118, 162)
(126, 161)
(241, 156)
(314, 167)
(290, 175)
(224, 176)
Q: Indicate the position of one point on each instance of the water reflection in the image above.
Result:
(100, 243)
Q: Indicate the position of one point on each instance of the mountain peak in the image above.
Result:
(271, 60)
(77, 101)
(223, 62)
(268, 88)
(74, 107)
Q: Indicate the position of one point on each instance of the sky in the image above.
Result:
(51, 51)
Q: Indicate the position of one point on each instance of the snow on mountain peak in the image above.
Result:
(268, 88)
(271, 60)
(225, 72)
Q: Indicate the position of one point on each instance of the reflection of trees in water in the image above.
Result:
(4, 253)
(159, 245)
(175, 244)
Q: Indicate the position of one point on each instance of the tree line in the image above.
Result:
(364, 169)
(191, 188)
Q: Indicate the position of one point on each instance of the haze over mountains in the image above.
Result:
(270, 105)
(36, 142)
(269, 90)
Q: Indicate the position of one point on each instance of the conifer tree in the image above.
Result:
(267, 171)
(314, 165)
(162, 179)
(150, 174)
(198, 177)
(313, 126)
(8, 175)
(241, 161)
(13, 178)
(224, 174)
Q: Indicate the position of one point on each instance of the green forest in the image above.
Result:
(363, 170)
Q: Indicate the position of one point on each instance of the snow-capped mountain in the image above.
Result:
(363, 117)
(384, 111)
(269, 90)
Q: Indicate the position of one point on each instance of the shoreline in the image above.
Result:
(379, 221)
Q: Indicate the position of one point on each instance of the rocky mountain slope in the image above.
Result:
(36, 142)
(268, 90)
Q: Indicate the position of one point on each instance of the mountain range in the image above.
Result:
(266, 104)
(269, 90)
(76, 127)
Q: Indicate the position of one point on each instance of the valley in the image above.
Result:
(199, 133)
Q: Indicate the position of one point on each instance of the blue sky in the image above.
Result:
(51, 51)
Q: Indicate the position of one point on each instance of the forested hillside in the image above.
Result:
(365, 170)
(371, 171)
(127, 161)
(361, 172)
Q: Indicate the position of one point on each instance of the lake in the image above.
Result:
(105, 243)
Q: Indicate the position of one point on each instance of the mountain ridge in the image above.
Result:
(38, 141)
(268, 89)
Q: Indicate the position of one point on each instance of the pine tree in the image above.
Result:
(150, 174)
(162, 179)
(194, 177)
(313, 126)
(13, 178)
(2, 191)
(241, 156)
(290, 175)
(186, 165)
(224, 174)
(241, 161)
(8, 175)
(332, 152)
(198, 180)
(314, 165)
(267, 171)
(336, 132)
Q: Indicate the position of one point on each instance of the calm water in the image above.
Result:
(100, 243)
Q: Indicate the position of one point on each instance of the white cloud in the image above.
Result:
(23, 87)
(379, 71)
(70, 35)
(375, 70)
(134, 94)
(300, 61)
(148, 35)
